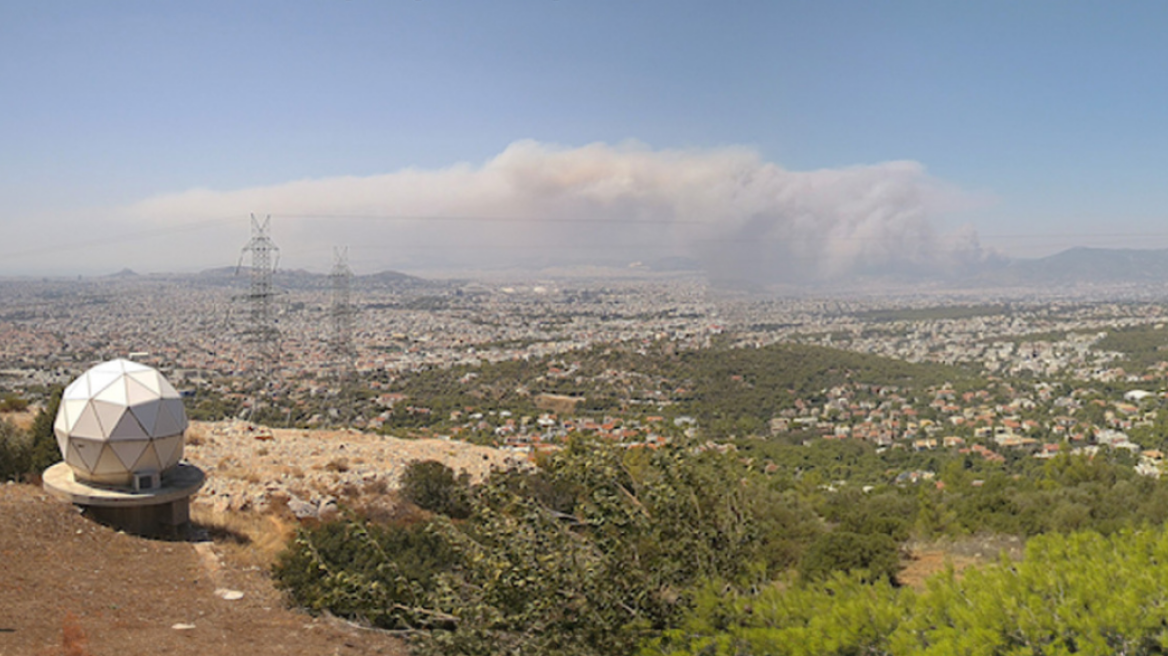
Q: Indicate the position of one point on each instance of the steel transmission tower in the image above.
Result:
(341, 316)
(341, 312)
(261, 328)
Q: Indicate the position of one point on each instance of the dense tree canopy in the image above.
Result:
(1077, 593)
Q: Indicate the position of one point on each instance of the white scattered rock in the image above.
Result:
(327, 508)
(302, 509)
(182, 627)
(229, 595)
(313, 467)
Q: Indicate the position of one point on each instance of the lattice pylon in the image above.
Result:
(261, 331)
(341, 318)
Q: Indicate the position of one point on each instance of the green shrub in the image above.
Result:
(432, 486)
(384, 575)
(15, 451)
(1082, 593)
(598, 549)
(875, 554)
(25, 455)
(43, 444)
(13, 403)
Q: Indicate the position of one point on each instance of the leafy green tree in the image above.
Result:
(15, 455)
(44, 449)
(1082, 593)
(839, 616)
(383, 575)
(597, 550)
(26, 455)
(874, 555)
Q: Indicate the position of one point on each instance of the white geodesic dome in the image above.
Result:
(118, 419)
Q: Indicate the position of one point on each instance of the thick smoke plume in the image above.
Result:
(535, 204)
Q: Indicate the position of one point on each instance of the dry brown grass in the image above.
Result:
(386, 509)
(229, 468)
(925, 564)
(558, 403)
(196, 435)
(23, 420)
(290, 470)
(930, 558)
(245, 538)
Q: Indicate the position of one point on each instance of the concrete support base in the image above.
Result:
(157, 512)
(163, 520)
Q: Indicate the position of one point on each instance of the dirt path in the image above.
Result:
(63, 575)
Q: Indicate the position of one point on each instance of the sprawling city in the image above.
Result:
(1042, 358)
(319, 395)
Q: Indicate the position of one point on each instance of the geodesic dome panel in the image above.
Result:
(118, 418)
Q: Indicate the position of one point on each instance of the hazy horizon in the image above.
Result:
(766, 142)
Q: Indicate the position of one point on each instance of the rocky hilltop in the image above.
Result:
(252, 467)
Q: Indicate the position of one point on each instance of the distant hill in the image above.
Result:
(1077, 266)
(301, 279)
(1085, 265)
(1074, 266)
(219, 273)
(392, 279)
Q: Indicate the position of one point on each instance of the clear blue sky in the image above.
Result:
(1054, 113)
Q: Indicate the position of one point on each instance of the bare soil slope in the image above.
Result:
(71, 586)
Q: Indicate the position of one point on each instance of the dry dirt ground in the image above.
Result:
(928, 558)
(71, 586)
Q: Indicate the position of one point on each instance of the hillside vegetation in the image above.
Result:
(740, 540)
(1081, 593)
(730, 391)
(610, 551)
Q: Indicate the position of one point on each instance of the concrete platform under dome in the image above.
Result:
(160, 511)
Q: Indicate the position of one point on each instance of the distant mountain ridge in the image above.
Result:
(301, 279)
(1075, 266)
(1086, 265)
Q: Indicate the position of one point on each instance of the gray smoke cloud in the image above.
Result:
(537, 204)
